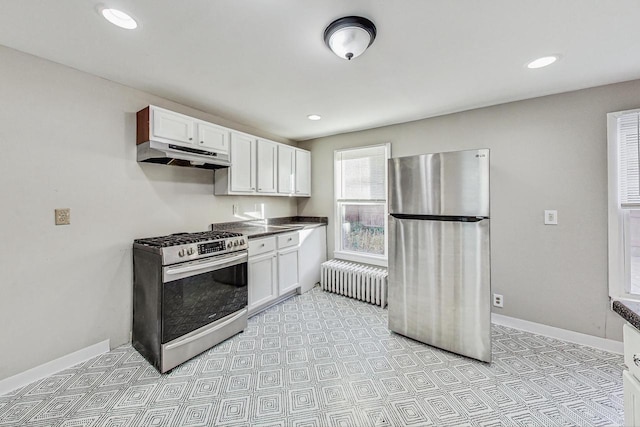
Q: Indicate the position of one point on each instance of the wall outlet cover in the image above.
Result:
(63, 216)
(551, 217)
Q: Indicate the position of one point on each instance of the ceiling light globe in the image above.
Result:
(349, 42)
(350, 36)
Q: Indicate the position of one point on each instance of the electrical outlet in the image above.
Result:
(235, 209)
(63, 216)
(551, 217)
(498, 300)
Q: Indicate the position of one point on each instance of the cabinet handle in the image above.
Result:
(262, 245)
(290, 238)
(190, 139)
(201, 142)
(636, 360)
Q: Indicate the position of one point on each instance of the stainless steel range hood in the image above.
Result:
(171, 154)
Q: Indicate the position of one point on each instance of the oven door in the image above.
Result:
(200, 292)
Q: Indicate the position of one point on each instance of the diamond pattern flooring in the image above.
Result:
(321, 359)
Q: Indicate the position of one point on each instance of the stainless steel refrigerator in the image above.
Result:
(439, 251)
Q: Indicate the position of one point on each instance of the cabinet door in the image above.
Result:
(213, 137)
(286, 167)
(172, 126)
(262, 280)
(267, 152)
(303, 173)
(243, 160)
(287, 271)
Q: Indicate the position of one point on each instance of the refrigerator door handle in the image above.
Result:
(439, 217)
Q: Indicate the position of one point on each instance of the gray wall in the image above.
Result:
(68, 140)
(546, 153)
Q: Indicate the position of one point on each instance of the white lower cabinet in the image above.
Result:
(288, 270)
(631, 399)
(313, 252)
(273, 270)
(262, 280)
(631, 377)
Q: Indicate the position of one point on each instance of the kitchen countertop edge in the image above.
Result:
(629, 311)
(304, 221)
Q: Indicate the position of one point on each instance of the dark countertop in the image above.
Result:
(629, 311)
(272, 226)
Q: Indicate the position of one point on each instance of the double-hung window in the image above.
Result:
(624, 203)
(361, 204)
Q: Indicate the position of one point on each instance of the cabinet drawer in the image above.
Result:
(631, 338)
(261, 246)
(289, 239)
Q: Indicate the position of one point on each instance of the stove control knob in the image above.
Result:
(181, 253)
(235, 243)
(241, 242)
(229, 244)
(190, 251)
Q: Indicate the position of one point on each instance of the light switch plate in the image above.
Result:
(63, 216)
(551, 217)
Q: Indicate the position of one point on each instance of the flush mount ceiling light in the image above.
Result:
(542, 62)
(119, 18)
(350, 36)
(313, 117)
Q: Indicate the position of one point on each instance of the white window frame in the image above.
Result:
(618, 218)
(339, 253)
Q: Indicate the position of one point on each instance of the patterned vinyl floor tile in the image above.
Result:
(321, 359)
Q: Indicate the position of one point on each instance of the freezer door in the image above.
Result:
(445, 184)
(439, 284)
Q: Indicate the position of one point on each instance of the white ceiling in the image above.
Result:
(263, 63)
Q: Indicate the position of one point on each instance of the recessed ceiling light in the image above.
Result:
(542, 62)
(313, 117)
(119, 18)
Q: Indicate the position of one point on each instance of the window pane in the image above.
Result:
(629, 166)
(634, 251)
(362, 228)
(363, 174)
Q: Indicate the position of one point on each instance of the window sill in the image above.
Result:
(624, 297)
(350, 256)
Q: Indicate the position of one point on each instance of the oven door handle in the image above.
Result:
(207, 265)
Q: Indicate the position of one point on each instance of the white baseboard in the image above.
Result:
(561, 334)
(50, 368)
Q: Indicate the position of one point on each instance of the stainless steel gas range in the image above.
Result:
(189, 294)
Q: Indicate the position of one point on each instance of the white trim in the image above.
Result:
(618, 218)
(52, 367)
(361, 258)
(616, 258)
(561, 334)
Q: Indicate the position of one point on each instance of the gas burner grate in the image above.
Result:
(186, 238)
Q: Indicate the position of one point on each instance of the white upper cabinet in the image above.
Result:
(243, 160)
(286, 167)
(176, 128)
(303, 173)
(258, 166)
(172, 126)
(267, 166)
(212, 137)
